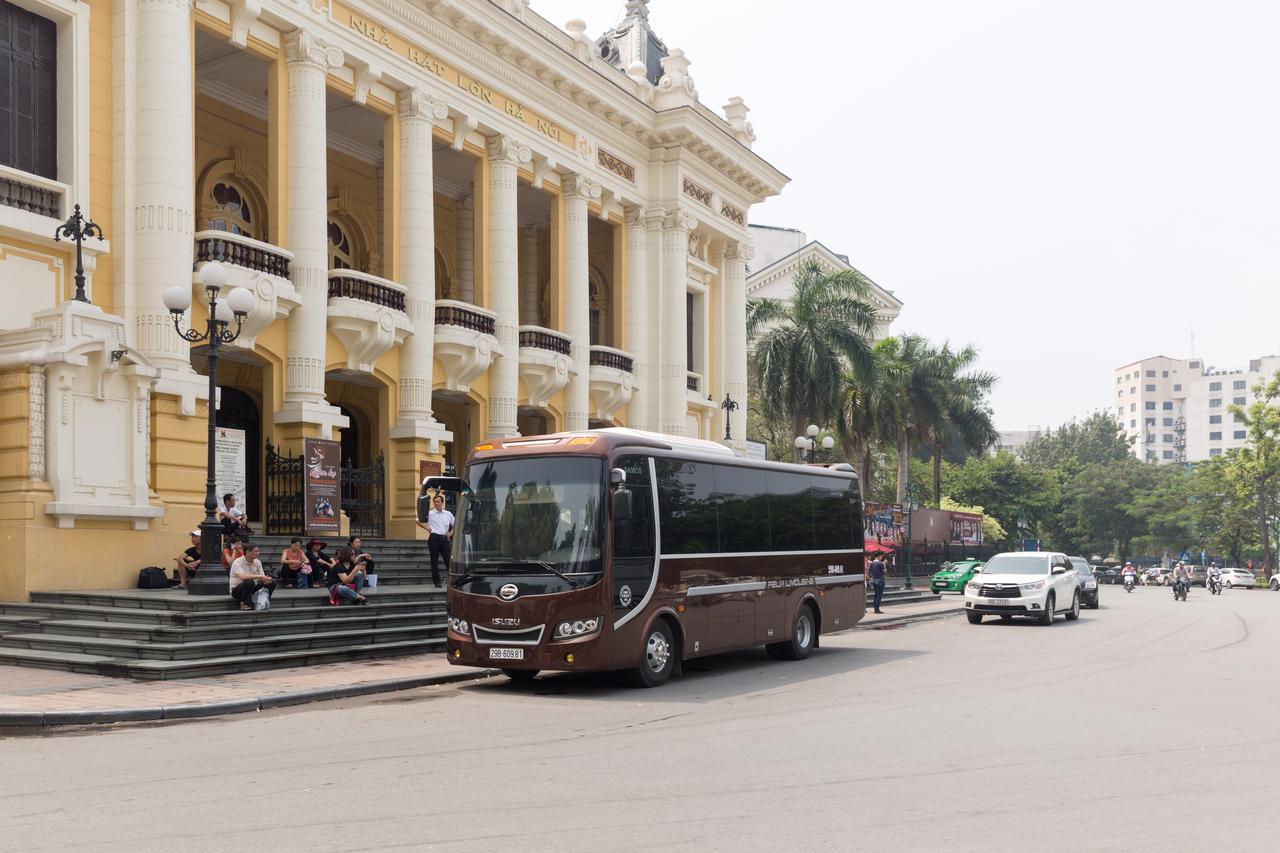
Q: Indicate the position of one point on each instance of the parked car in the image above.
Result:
(1233, 577)
(1107, 574)
(1039, 584)
(953, 576)
(1088, 583)
(1158, 576)
(1199, 575)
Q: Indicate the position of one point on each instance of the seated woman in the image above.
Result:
(318, 563)
(247, 577)
(295, 568)
(233, 551)
(346, 579)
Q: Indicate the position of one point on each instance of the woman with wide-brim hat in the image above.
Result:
(318, 562)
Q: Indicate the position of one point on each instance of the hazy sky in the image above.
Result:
(1071, 186)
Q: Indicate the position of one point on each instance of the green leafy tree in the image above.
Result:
(803, 347)
(962, 415)
(1259, 463)
(1102, 508)
(868, 414)
(915, 371)
(1005, 487)
(1221, 507)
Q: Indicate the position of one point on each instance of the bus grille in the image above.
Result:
(519, 637)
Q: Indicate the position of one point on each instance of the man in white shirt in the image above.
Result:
(246, 577)
(232, 517)
(440, 535)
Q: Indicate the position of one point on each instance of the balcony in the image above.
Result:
(366, 314)
(261, 268)
(612, 381)
(465, 342)
(693, 382)
(32, 193)
(546, 363)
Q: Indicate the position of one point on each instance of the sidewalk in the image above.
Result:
(40, 697)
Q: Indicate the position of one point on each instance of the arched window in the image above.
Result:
(231, 210)
(342, 254)
(601, 331)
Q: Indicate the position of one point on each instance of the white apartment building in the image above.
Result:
(1176, 410)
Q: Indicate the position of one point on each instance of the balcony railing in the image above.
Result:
(31, 193)
(366, 288)
(615, 358)
(240, 251)
(693, 382)
(450, 312)
(536, 337)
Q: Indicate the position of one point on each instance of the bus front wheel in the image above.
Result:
(657, 656)
(802, 637)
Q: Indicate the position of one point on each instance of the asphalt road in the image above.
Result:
(1146, 725)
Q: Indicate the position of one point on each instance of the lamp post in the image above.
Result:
(912, 499)
(1022, 527)
(77, 228)
(807, 444)
(730, 406)
(239, 302)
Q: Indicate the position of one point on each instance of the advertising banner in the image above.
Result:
(882, 522)
(757, 449)
(229, 464)
(322, 488)
(966, 528)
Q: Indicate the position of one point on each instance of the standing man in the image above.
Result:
(876, 568)
(439, 535)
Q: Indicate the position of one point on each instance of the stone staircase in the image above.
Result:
(396, 561)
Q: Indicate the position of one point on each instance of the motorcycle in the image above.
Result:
(1128, 583)
(1215, 585)
(1180, 590)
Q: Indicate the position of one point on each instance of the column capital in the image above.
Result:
(739, 250)
(302, 48)
(466, 201)
(679, 219)
(580, 186)
(504, 149)
(417, 104)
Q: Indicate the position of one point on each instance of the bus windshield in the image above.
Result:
(533, 516)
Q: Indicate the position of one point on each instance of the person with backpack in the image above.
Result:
(247, 577)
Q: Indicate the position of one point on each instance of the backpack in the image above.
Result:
(152, 577)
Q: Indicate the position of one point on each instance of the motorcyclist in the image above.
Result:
(1214, 576)
(1129, 574)
(1181, 576)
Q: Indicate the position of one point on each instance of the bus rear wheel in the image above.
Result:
(521, 676)
(657, 656)
(802, 637)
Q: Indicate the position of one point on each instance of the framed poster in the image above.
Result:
(229, 464)
(322, 486)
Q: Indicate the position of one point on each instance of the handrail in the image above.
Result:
(451, 312)
(602, 356)
(537, 337)
(353, 284)
(241, 251)
(693, 382)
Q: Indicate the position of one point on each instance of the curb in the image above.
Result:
(45, 719)
(908, 620)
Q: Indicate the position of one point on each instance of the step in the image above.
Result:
(166, 669)
(218, 649)
(355, 619)
(232, 616)
(179, 601)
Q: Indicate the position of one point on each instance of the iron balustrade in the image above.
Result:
(610, 358)
(456, 315)
(284, 506)
(364, 498)
(33, 199)
(546, 340)
(366, 291)
(228, 248)
(692, 382)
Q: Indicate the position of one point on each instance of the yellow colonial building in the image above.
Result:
(456, 220)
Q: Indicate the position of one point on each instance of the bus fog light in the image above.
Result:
(457, 653)
(568, 658)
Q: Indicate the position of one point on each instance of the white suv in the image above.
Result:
(1024, 583)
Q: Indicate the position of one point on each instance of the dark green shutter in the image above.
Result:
(28, 92)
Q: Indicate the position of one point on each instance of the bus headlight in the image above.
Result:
(577, 628)
(459, 626)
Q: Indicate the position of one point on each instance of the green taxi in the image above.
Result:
(953, 576)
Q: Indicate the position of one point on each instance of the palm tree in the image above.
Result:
(867, 413)
(915, 393)
(963, 416)
(804, 346)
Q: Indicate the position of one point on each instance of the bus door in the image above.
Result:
(634, 542)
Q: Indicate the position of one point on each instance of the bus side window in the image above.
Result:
(790, 511)
(832, 519)
(633, 539)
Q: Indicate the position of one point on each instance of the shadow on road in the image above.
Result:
(706, 679)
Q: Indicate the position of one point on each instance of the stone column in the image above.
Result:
(309, 62)
(505, 158)
(639, 318)
(465, 229)
(733, 277)
(577, 298)
(674, 321)
(164, 193)
(530, 299)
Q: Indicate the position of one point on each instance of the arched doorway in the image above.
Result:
(238, 410)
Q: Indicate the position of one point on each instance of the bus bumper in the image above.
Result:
(583, 653)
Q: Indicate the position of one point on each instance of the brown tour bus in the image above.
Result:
(615, 549)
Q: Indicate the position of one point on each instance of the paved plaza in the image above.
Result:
(935, 736)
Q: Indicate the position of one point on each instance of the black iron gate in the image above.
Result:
(363, 498)
(284, 511)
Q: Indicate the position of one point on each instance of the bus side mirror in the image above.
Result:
(622, 504)
(424, 507)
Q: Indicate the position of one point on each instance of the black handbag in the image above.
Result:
(152, 577)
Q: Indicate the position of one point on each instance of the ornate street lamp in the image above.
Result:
(77, 228)
(729, 406)
(912, 500)
(808, 443)
(238, 304)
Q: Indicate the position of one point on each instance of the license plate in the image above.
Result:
(506, 654)
(995, 601)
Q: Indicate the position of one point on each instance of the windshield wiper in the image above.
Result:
(550, 568)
